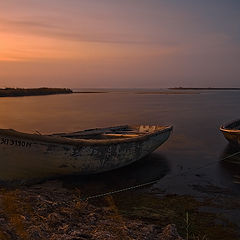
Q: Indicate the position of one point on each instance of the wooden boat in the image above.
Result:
(231, 132)
(25, 157)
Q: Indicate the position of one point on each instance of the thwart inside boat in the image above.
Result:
(112, 132)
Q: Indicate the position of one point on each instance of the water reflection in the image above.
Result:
(231, 162)
(191, 116)
(151, 168)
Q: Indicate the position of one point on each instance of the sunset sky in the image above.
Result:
(113, 43)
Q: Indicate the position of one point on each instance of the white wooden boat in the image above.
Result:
(231, 132)
(25, 157)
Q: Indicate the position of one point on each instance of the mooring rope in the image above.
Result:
(120, 190)
(155, 181)
(234, 154)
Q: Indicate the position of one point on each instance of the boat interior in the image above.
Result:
(234, 125)
(111, 132)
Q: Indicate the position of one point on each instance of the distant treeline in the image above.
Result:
(184, 88)
(19, 92)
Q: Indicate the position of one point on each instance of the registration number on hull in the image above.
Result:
(15, 142)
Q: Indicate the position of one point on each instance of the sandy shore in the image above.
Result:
(52, 211)
(48, 211)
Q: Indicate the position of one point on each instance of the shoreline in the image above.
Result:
(91, 92)
(51, 210)
(44, 91)
(22, 92)
(167, 93)
(214, 89)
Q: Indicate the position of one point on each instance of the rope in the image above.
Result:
(155, 181)
(234, 154)
(120, 190)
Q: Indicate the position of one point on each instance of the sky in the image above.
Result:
(119, 44)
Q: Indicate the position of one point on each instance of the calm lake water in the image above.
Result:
(181, 163)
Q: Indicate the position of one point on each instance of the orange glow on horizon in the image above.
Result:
(29, 47)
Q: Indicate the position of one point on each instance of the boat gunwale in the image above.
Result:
(229, 130)
(225, 127)
(78, 142)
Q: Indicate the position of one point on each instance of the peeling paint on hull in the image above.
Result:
(26, 157)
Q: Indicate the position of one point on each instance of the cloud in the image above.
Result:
(28, 23)
(46, 28)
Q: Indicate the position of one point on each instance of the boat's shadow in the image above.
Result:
(230, 162)
(151, 168)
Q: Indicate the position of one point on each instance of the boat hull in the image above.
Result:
(231, 132)
(232, 136)
(24, 159)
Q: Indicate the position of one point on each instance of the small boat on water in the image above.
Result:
(25, 157)
(231, 132)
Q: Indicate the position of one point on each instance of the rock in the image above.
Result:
(35, 232)
(53, 217)
(170, 233)
(51, 212)
(92, 218)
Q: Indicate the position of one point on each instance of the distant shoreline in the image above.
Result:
(183, 88)
(167, 93)
(91, 92)
(21, 92)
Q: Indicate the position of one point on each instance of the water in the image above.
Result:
(196, 140)
(196, 118)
